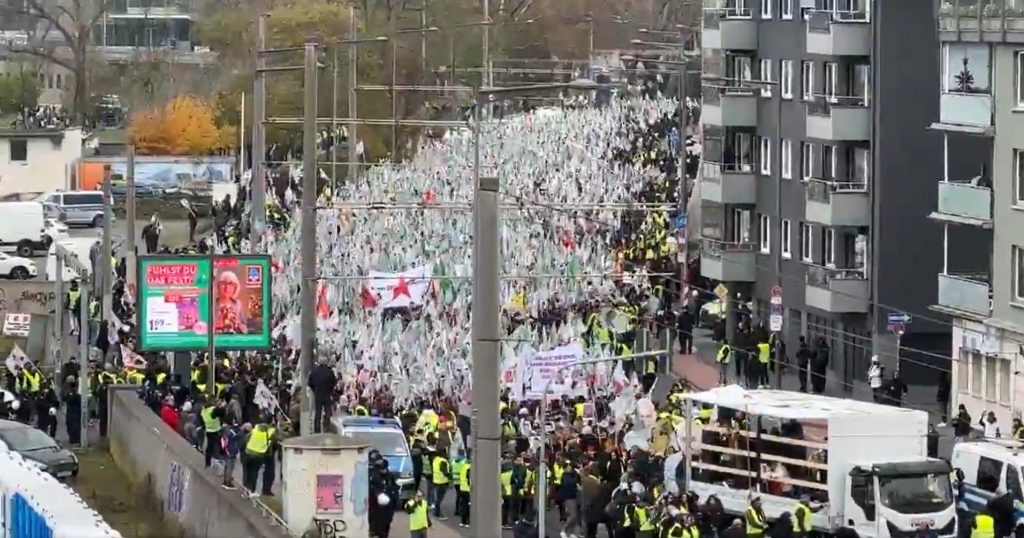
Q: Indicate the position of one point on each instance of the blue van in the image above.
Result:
(387, 436)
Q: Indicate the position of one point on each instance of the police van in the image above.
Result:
(983, 468)
(385, 435)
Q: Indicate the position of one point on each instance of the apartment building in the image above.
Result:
(149, 29)
(819, 171)
(982, 104)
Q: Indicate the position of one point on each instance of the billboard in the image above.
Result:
(159, 173)
(175, 293)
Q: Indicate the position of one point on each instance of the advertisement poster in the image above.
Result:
(330, 493)
(174, 299)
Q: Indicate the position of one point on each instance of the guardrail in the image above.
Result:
(820, 276)
(715, 247)
(712, 171)
(820, 190)
(821, 21)
(711, 94)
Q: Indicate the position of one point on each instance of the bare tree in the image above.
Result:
(60, 33)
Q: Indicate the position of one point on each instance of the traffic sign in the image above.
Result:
(776, 295)
(721, 291)
(899, 317)
(681, 222)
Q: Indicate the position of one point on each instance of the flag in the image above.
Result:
(368, 298)
(17, 360)
(322, 310)
(574, 268)
(394, 290)
(131, 359)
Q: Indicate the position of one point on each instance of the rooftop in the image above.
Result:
(791, 405)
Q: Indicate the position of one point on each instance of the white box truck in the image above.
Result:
(867, 462)
(24, 228)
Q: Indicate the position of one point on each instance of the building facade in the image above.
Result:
(150, 30)
(38, 160)
(982, 105)
(819, 172)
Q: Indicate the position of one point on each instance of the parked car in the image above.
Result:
(38, 449)
(713, 311)
(24, 227)
(17, 267)
(80, 208)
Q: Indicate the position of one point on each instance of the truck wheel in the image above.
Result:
(25, 249)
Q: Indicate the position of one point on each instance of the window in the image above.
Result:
(806, 241)
(787, 8)
(766, 155)
(766, 9)
(741, 226)
(58, 81)
(743, 147)
(828, 162)
(1017, 260)
(1018, 177)
(989, 472)
(963, 372)
(741, 68)
(764, 234)
(786, 240)
(786, 78)
(786, 158)
(1013, 481)
(859, 165)
(990, 378)
(828, 247)
(19, 150)
(806, 160)
(976, 374)
(766, 76)
(807, 80)
(1019, 76)
(831, 81)
(1004, 381)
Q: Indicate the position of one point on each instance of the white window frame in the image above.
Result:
(786, 241)
(807, 160)
(765, 152)
(1018, 77)
(829, 162)
(786, 9)
(786, 78)
(807, 80)
(829, 247)
(1017, 275)
(806, 242)
(764, 234)
(831, 81)
(1018, 178)
(766, 9)
(786, 158)
(766, 76)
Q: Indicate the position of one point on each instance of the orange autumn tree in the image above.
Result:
(186, 125)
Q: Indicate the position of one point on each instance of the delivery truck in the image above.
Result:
(864, 464)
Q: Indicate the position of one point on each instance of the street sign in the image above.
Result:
(899, 317)
(721, 291)
(681, 222)
(776, 295)
(775, 318)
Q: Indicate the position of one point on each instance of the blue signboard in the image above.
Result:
(896, 318)
(681, 222)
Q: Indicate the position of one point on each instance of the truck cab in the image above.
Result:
(895, 499)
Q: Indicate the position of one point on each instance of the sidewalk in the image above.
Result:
(700, 370)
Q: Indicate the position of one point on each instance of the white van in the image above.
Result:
(80, 246)
(24, 227)
(987, 467)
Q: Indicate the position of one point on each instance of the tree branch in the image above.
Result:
(34, 9)
(46, 55)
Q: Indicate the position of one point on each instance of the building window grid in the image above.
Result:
(786, 9)
(1017, 273)
(764, 234)
(766, 76)
(807, 80)
(786, 78)
(766, 155)
(806, 242)
(766, 9)
(963, 372)
(786, 158)
(1018, 178)
(976, 375)
(786, 241)
(806, 160)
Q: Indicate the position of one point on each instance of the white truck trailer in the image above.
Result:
(866, 463)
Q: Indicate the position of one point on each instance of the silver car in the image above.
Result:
(78, 208)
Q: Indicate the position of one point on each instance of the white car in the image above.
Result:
(56, 230)
(17, 267)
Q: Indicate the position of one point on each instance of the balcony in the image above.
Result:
(839, 291)
(728, 261)
(729, 29)
(964, 203)
(838, 119)
(995, 21)
(725, 183)
(966, 109)
(153, 8)
(839, 33)
(967, 293)
(833, 203)
(729, 105)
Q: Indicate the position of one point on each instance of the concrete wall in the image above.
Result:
(149, 452)
(50, 158)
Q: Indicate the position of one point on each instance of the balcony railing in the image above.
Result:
(968, 292)
(715, 247)
(965, 200)
(713, 16)
(820, 277)
(820, 190)
(711, 94)
(822, 105)
(821, 21)
(990, 16)
(712, 171)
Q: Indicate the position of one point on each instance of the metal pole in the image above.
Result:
(486, 54)
(542, 466)
(684, 187)
(899, 344)
(423, 41)
(307, 293)
(334, 124)
(58, 314)
(451, 44)
(130, 256)
(83, 378)
(257, 182)
(107, 280)
(211, 350)
(352, 83)
(485, 498)
(241, 135)
(394, 101)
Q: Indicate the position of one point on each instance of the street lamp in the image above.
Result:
(542, 467)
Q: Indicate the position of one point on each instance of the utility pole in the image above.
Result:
(258, 182)
(352, 104)
(485, 498)
(83, 368)
(132, 254)
(58, 316)
(106, 279)
(335, 139)
(307, 292)
(486, 53)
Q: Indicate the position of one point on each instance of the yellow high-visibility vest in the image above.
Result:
(362, 411)
(984, 526)
(210, 423)
(418, 519)
(764, 353)
(259, 441)
(506, 483)
(802, 518)
(723, 354)
(32, 382)
(755, 523)
(464, 484)
(440, 477)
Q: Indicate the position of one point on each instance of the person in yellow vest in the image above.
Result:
(30, 380)
(757, 522)
(440, 477)
(507, 510)
(360, 410)
(764, 359)
(638, 518)
(212, 415)
(257, 451)
(802, 515)
(597, 333)
(722, 359)
(984, 525)
(528, 493)
(462, 492)
(419, 516)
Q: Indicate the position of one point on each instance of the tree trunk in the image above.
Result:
(81, 96)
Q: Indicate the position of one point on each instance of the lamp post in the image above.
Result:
(542, 467)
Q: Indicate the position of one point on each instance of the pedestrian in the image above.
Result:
(962, 424)
(819, 365)
(990, 425)
(322, 381)
(875, 373)
(230, 442)
(803, 362)
(684, 329)
(419, 516)
(942, 397)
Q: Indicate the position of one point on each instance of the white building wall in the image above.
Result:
(48, 164)
(984, 372)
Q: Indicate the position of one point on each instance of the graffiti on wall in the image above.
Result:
(177, 487)
(330, 527)
(27, 297)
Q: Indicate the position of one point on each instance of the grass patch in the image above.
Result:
(107, 490)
